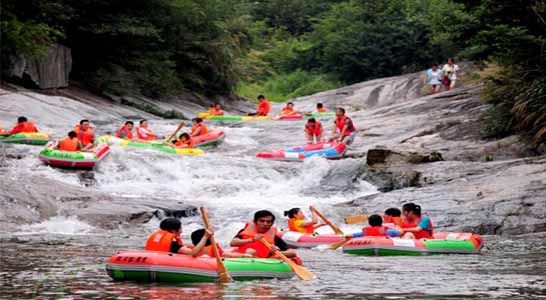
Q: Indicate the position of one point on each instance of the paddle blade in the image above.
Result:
(334, 246)
(303, 273)
(355, 219)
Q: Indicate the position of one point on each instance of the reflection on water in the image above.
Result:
(73, 268)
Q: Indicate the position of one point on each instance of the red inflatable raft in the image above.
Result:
(308, 240)
(211, 139)
(291, 117)
(327, 150)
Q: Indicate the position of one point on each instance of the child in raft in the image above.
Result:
(297, 222)
(376, 228)
(393, 216)
(198, 235)
(416, 226)
(184, 141)
(167, 239)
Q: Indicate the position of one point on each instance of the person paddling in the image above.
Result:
(297, 222)
(85, 135)
(198, 128)
(144, 132)
(247, 239)
(125, 131)
(344, 130)
(70, 143)
(167, 239)
(263, 107)
(313, 131)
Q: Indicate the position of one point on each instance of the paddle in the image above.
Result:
(334, 227)
(174, 133)
(222, 271)
(302, 272)
(355, 219)
(334, 246)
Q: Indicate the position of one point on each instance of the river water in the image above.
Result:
(64, 257)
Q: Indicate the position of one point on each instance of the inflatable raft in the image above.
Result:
(290, 117)
(157, 145)
(308, 240)
(443, 243)
(67, 159)
(168, 267)
(211, 139)
(30, 138)
(327, 150)
(207, 116)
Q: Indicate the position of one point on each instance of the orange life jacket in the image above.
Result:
(85, 137)
(397, 221)
(216, 112)
(303, 229)
(144, 134)
(313, 129)
(190, 143)
(68, 144)
(287, 111)
(263, 108)
(340, 124)
(375, 231)
(207, 250)
(321, 110)
(161, 240)
(23, 127)
(128, 133)
(249, 232)
(204, 129)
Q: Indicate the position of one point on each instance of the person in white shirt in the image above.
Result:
(433, 77)
(450, 71)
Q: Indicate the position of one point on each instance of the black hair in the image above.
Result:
(198, 120)
(129, 123)
(170, 224)
(217, 104)
(289, 103)
(341, 109)
(292, 212)
(185, 135)
(21, 119)
(416, 209)
(197, 236)
(375, 220)
(435, 65)
(142, 121)
(263, 213)
(311, 120)
(319, 105)
(260, 97)
(72, 134)
(451, 58)
(393, 212)
(83, 121)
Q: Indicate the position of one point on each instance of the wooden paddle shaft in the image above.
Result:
(334, 228)
(222, 271)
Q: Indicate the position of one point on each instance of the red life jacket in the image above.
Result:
(425, 234)
(24, 127)
(397, 221)
(190, 143)
(375, 231)
(303, 229)
(128, 133)
(263, 108)
(85, 137)
(249, 232)
(322, 110)
(68, 144)
(216, 112)
(204, 129)
(161, 240)
(340, 124)
(144, 134)
(313, 129)
(287, 111)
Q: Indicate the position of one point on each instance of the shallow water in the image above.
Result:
(64, 257)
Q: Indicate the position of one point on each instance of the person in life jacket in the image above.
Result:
(85, 134)
(70, 143)
(167, 239)
(288, 110)
(344, 130)
(184, 141)
(247, 239)
(125, 131)
(3, 131)
(198, 235)
(376, 228)
(143, 132)
(23, 126)
(216, 110)
(320, 108)
(393, 216)
(416, 225)
(297, 222)
(313, 131)
(198, 128)
(263, 108)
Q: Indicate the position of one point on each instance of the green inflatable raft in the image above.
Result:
(30, 138)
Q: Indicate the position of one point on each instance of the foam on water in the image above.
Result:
(58, 225)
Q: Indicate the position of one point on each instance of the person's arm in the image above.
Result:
(423, 224)
(16, 129)
(313, 221)
(238, 241)
(355, 235)
(282, 245)
(80, 145)
(195, 251)
(236, 255)
(197, 131)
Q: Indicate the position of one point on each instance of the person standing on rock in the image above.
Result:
(433, 77)
(450, 72)
(344, 130)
